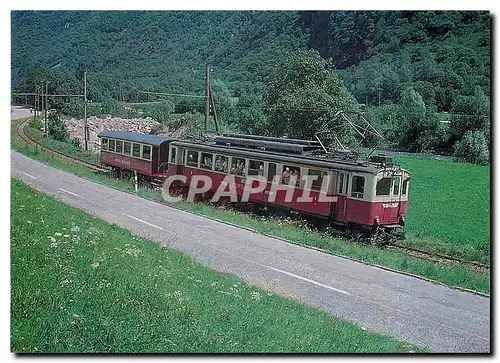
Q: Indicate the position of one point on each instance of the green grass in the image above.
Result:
(449, 208)
(454, 275)
(80, 284)
(66, 148)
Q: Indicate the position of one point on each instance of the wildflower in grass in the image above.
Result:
(75, 229)
(95, 265)
(57, 234)
(52, 239)
(66, 235)
(30, 222)
(255, 295)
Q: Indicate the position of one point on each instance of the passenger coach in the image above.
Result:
(146, 154)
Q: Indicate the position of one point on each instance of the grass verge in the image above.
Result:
(453, 275)
(80, 284)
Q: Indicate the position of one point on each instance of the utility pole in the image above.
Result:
(35, 104)
(207, 96)
(46, 107)
(86, 127)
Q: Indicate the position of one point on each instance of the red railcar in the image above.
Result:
(146, 154)
(368, 194)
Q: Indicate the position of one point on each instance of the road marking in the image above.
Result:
(31, 176)
(67, 191)
(309, 280)
(140, 220)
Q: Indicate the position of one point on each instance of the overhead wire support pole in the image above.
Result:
(46, 131)
(216, 119)
(86, 127)
(207, 96)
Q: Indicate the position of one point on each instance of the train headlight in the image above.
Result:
(377, 220)
(402, 220)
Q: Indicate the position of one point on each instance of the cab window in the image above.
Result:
(405, 187)
(395, 188)
(112, 145)
(206, 161)
(255, 167)
(126, 147)
(358, 186)
(192, 158)
(136, 150)
(146, 152)
(384, 186)
(238, 166)
(104, 144)
(173, 154)
(290, 175)
(119, 146)
(221, 163)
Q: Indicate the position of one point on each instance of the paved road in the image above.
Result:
(410, 309)
(17, 112)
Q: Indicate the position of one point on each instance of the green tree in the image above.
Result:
(162, 111)
(470, 113)
(304, 94)
(418, 128)
(472, 148)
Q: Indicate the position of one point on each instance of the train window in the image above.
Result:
(104, 144)
(271, 171)
(119, 146)
(395, 188)
(173, 154)
(358, 186)
(192, 158)
(112, 145)
(341, 182)
(136, 150)
(384, 186)
(126, 147)
(206, 161)
(238, 166)
(146, 152)
(346, 188)
(255, 167)
(290, 175)
(316, 184)
(221, 163)
(405, 187)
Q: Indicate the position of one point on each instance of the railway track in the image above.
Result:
(22, 134)
(414, 252)
(437, 257)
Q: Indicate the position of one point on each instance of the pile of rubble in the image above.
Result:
(98, 124)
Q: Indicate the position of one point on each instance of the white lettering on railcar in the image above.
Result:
(390, 205)
(121, 161)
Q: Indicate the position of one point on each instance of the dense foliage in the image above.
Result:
(411, 70)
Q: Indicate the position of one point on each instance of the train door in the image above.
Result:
(395, 198)
(342, 188)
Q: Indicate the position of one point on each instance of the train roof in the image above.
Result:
(320, 162)
(133, 136)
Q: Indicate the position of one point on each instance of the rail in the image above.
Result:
(22, 134)
(438, 257)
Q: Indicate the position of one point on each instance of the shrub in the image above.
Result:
(57, 128)
(473, 148)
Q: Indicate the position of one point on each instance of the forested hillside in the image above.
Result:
(411, 70)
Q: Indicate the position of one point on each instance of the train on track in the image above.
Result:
(370, 195)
